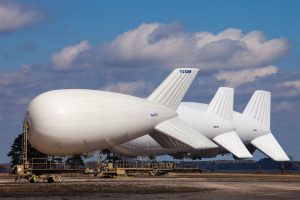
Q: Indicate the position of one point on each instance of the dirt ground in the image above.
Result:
(193, 186)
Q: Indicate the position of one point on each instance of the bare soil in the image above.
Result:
(173, 186)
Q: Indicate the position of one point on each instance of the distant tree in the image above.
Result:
(55, 161)
(16, 154)
(2, 169)
(75, 161)
(178, 156)
(152, 157)
(106, 151)
(111, 157)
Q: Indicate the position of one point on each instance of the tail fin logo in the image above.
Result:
(185, 71)
(171, 91)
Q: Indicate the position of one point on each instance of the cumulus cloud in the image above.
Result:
(127, 64)
(64, 58)
(237, 78)
(15, 16)
(168, 45)
(130, 88)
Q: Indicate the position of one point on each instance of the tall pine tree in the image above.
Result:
(16, 152)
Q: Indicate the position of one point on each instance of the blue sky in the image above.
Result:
(256, 38)
(68, 22)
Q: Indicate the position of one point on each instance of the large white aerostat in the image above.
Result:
(77, 121)
(215, 122)
(219, 123)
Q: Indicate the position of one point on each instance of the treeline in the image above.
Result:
(264, 164)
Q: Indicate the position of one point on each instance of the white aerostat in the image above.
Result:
(74, 121)
(232, 131)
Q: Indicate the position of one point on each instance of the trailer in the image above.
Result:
(42, 169)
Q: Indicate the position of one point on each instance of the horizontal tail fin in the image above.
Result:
(171, 92)
(232, 143)
(269, 146)
(167, 142)
(222, 103)
(179, 130)
(259, 107)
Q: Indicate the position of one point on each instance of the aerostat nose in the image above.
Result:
(36, 117)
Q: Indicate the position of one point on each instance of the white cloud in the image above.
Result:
(131, 88)
(12, 77)
(14, 16)
(294, 88)
(64, 58)
(169, 45)
(293, 84)
(284, 107)
(237, 78)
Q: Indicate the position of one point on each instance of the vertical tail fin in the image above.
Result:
(170, 92)
(259, 107)
(222, 103)
(222, 106)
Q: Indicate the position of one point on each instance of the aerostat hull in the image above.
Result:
(66, 122)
